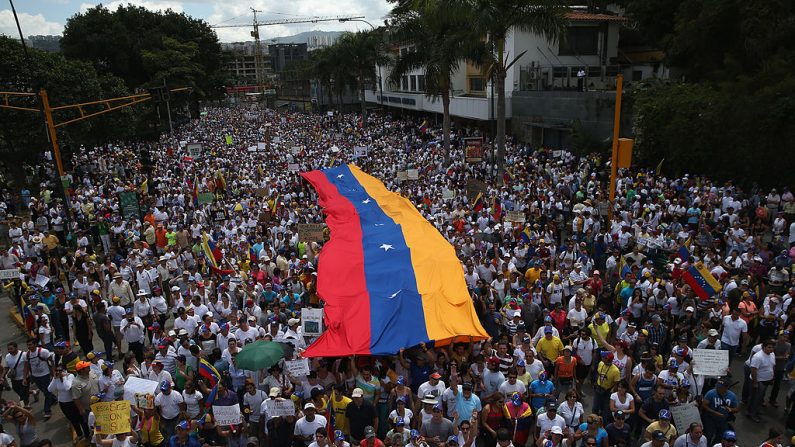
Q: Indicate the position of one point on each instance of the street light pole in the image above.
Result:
(380, 77)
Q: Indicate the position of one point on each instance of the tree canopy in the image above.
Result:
(145, 47)
(22, 135)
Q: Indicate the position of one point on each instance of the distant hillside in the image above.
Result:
(313, 39)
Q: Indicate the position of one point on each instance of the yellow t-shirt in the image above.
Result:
(340, 420)
(549, 348)
(669, 432)
(607, 376)
(531, 276)
(604, 331)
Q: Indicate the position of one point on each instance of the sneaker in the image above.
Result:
(47, 416)
(36, 395)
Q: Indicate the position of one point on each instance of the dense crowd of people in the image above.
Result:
(592, 319)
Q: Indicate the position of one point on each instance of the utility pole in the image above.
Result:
(168, 106)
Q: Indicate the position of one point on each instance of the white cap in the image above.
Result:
(357, 392)
(293, 321)
(689, 309)
(309, 405)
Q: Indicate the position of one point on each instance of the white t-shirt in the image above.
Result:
(306, 428)
(6, 439)
(426, 388)
(17, 362)
(169, 404)
(732, 330)
(192, 403)
(764, 364)
(254, 401)
(545, 423)
(38, 360)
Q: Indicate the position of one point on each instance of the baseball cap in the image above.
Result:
(658, 435)
(309, 405)
(436, 375)
(556, 430)
(339, 435)
(357, 392)
(712, 333)
(730, 435)
(399, 421)
(547, 330)
(274, 392)
(183, 425)
(414, 434)
(166, 385)
(665, 414)
(437, 406)
(452, 440)
(620, 414)
(252, 440)
(81, 365)
(608, 358)
(369, 432)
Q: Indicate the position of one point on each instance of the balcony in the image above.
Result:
(469, 107)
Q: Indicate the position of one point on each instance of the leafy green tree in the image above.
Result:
(22, 135)
(439, 33)
(495, 19)
(360, 52)
(144, 47)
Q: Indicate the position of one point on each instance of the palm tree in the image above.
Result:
(329, 67)
(441, 37)
(360, 52)
(495, 19)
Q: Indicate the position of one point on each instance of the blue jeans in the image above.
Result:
(732, 351)
(757, 397)
(49, 399)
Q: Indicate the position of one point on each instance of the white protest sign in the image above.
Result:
(448, 194)
(227, 415)
(360, 151)
(135, 385)
(515, 216)
(277, 140)
(297, 368)
(684, 415)
(280, 407)
(413, 174)
(710, 362)
(262, 146)
(296, 150)
(41, 280)
(312, 321)
(252, 148)
(330, 113)
(9, 274)
(195, 150)
(293, 167)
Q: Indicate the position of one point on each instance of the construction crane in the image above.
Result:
(255, 33)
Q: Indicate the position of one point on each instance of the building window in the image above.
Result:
(413, 83)
(404, 83)
(421, 83)
(477, 84)
(580, 40)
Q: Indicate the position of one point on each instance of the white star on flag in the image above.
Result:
(366, 201)
(341, 176)
(387, 247)
(395, 294)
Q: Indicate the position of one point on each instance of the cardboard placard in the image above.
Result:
(312, 321)
(475, 186)
(293, 167)
(295, 150)
(448, 194)
(280, 407)
(276, 140)
(360, 151)
(112, 417)
(473, 149)
(297, 368)
(262, 146)
(9, 274)
(710, 362)
(227, 415)
(310, 232)
(262, 192)
(413, 174)
(684, 415)
(515, 216)
(135, 385)
(402, 176)
(252, 148)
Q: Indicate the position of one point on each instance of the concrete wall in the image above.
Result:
(594, 111)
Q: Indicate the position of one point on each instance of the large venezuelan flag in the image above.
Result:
(389, 279)
(701, 281)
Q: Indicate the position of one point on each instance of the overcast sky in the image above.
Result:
(50, 16)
